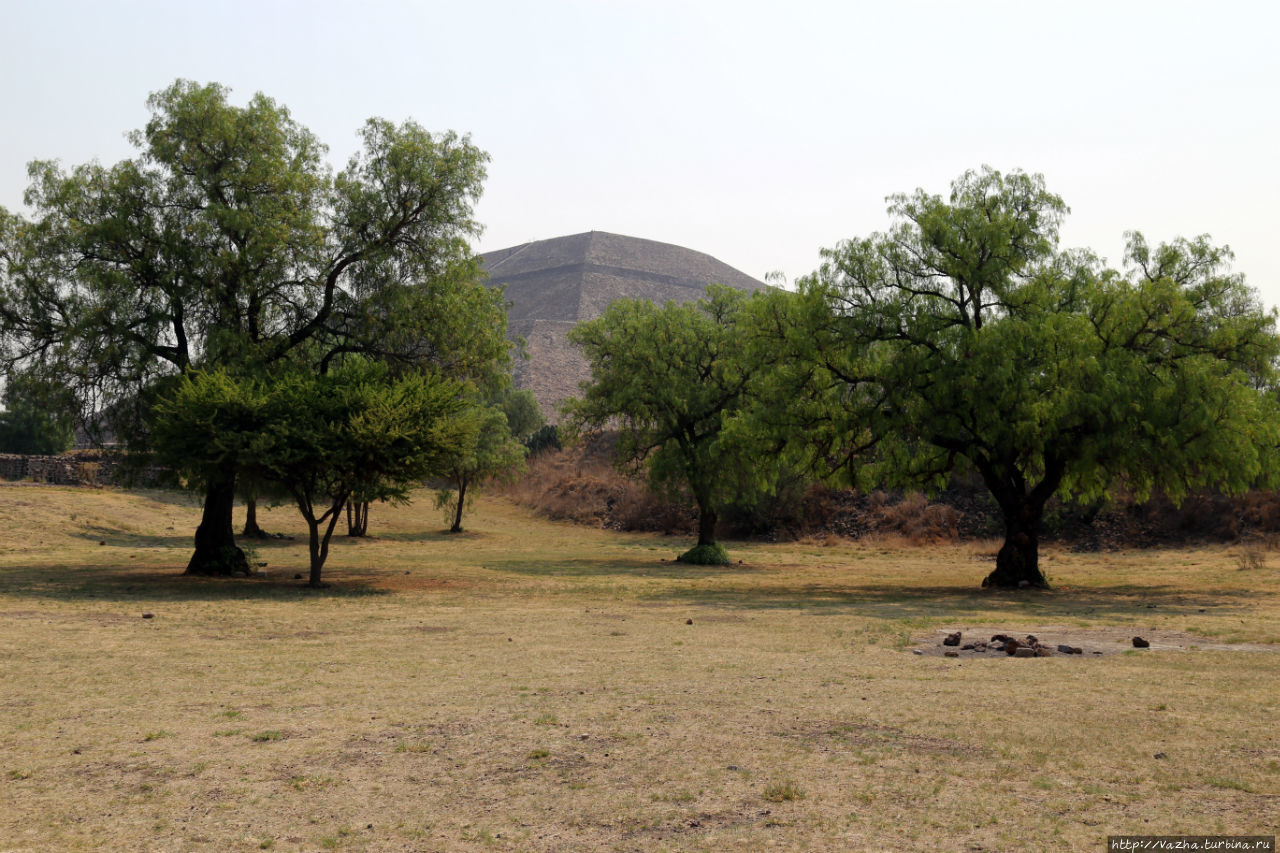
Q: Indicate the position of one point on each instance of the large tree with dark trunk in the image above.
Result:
(317, 437)
(229, 243)
(965, 339)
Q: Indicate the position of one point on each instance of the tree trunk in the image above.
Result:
(318, 543)
(457, 515)
(1018, 562)
(216, 552)
(251, 528)
(357, 518)
(707, 519)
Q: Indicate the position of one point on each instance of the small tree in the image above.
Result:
(672, 378)
(318, 436)
(496, 454)
(965, 338)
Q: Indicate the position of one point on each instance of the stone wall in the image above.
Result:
(82, 468)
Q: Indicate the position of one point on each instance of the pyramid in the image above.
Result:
(552, 285)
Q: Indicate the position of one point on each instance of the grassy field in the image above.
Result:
(538, 686)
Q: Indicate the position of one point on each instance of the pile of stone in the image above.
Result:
(1027, 647)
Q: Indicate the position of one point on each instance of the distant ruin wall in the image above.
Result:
(92, 468)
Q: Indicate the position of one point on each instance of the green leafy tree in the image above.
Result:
(319, 437)
(38, 416)
(496, 454)
(228, 243)
(964, 338)
(672, 379)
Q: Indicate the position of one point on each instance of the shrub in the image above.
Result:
(706, 555)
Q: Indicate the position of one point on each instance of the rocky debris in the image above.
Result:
(148, 616)
(1028, 646)
(1139, 643)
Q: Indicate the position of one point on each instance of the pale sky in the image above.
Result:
(755, 132)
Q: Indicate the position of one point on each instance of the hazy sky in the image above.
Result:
(755, 132)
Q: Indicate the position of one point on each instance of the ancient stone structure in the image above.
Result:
(554, 284)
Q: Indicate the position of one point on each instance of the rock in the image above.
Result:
(996, 647)
(951, 654)
(1000, 638)
(1031, 640)
(1139, 643)
(1159, 755)
(688, 621)
(951, 639)
(148, 616)
(1076, 650)
(101, 542)
(1024, 652)
(916, 652)
(1011, 647)
(979, 646)
(967, 647)
(1065, 649)
(1043, 652)
(297, 577)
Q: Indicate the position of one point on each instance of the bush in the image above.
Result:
(546, 437)
(705, 555)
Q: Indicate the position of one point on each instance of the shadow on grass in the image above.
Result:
(945, 603)
(443, 536)
(111, 583)
(592, 567)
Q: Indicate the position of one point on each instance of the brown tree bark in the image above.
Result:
(457, 514)
(216, 552)
(251, 528)
(357, 518)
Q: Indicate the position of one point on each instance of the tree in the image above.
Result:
(38, 416)
(505, 422)
(228, 243)
(319, 437)
(964, 338)
(672, 378)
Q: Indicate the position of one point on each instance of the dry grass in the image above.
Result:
(536, 686)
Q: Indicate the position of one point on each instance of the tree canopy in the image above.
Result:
(319, 437)
(505, 421)
(229, 243)
(672, 378)
(965, 339)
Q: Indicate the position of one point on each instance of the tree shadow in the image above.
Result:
(423, 536)
(899, 602)
(115, 537)
(589, 567)
(150, 584)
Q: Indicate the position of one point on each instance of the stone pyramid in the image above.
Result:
(554, 284)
